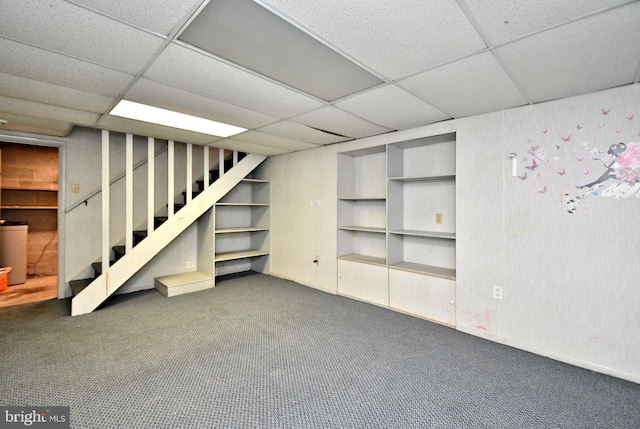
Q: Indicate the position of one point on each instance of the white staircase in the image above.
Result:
(123, 269)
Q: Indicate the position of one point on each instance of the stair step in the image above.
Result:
(159, 220)
(78, 286)
(193, 195)
(97, 267)
(214, 175)
(118, 252)
(179, 284)
(138, 236)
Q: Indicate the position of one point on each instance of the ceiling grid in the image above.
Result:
(413, 62)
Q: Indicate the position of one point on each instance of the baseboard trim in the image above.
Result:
(551, 355)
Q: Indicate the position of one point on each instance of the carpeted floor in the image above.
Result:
(261, 352)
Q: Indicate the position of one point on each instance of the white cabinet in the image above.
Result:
(397, 210)
(242, 228)
(363, 281)
(425, 296)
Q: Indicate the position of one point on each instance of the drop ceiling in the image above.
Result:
(415, 62)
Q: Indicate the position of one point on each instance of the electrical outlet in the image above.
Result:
(188, 265)
(497, 292)
(438, 218)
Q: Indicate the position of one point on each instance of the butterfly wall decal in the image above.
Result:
(543, 190)
(533, 165)
(605, 112)
(566, 139)
(630, 117)
(562, 172)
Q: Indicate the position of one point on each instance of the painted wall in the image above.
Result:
(566, 256)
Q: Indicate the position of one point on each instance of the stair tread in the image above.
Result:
(78, 286)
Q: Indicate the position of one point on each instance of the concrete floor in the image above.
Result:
(33, 290)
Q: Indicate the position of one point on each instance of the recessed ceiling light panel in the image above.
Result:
(155, 115)
(245, 33)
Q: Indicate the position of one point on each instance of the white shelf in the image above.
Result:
(364, 258)
(240, 229)
(374, 229)
(242, 204)
(230, 256)
(445, 273)
(430, 234)
(362, 199)
(439, 178)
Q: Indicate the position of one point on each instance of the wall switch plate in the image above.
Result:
(497, 292)
(75, 188)
(188, 265)
(438, 218)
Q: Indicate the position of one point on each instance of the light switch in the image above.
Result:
(75, 188)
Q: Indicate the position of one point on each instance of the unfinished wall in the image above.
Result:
(30, 194)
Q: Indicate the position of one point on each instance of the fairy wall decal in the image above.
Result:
(621, 174)
(576, 156)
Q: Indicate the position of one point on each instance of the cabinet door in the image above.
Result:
(363, 281)
(426, 296)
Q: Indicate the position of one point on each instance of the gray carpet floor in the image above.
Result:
(261, 352)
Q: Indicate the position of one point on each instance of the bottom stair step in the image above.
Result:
(179, 284)
(78, 286)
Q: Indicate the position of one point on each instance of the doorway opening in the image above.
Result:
(29, 236)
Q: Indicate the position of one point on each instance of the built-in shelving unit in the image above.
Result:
(396, 211)
(362, 206)
(241, 235)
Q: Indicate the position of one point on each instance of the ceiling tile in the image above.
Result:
(301, 132)
(273, 141)
(392, 107)
(235, 144)
(168, 97)
(30, 124)
(33, 90)
(584, 56)
(140, 128)
(250, 35)
(47, 111)
(471, 86)
(334, 120)
(185, 68)
(77, 32)
(505, 20)
(158, 16)
(33, 63)
(396, 39)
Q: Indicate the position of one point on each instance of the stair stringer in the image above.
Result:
(121, 271)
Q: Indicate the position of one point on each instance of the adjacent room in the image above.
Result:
(267, 213)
